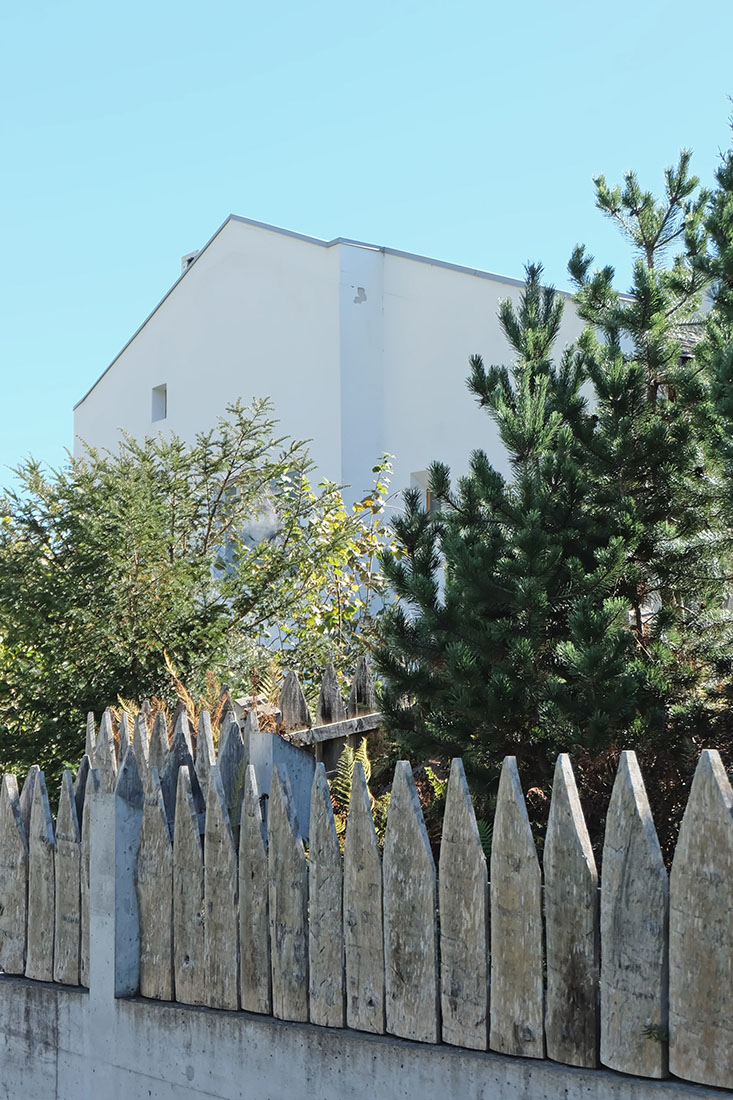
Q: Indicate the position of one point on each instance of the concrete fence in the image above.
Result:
(204, 899)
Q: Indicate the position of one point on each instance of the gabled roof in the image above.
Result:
(507, 281)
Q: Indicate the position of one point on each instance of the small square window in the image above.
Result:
(160, 402)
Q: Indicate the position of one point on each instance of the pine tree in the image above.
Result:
(478, 662)
(650, 453)
(579, 602)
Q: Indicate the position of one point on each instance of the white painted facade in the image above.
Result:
(362, 350)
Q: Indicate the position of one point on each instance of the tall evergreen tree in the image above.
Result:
(506, 596)
(577, 603)
(650, 449)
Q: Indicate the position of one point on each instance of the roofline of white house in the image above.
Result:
(311, 240)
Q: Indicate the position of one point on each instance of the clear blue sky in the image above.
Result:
(467, 131)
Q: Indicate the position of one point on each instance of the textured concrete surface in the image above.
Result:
(56, 1044)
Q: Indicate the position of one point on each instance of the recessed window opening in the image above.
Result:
(420, 479)
(160, 402)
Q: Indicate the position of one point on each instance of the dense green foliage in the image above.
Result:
(579, 602)
(208, 557)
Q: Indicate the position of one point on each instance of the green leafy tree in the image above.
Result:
(201, 557)
(578, 602)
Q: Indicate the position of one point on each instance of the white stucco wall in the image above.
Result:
(435, 318)
(254, 316)
(362, 349)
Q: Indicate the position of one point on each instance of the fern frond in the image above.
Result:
(341, 782)
(361, 756)
(128, 707)
(380, 806)
(440, 786)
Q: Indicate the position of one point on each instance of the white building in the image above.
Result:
(362, 349)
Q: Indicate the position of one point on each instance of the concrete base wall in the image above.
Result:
(61, 1044)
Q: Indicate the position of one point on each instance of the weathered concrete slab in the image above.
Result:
(330, 704)
(105, 757)
(161, 1051)
(158, 745)
(362, 697)
(464, 921)
(93, 786)
(41, 887)
(155, 895)
(517, 1017)
(205, 754)
(67, 918)
(363, 920)
(571, 927)
(326, 938)
(221, 916)
(410, 934)
(188, 899)
(701, 932)
(634, 924)
(231, 763)
(255, 982)
(288, 901)
(13, 879)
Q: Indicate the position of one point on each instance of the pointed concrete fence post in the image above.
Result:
(288, 900)
(41, 887)
(124, 737)
(254, 929)
(105, 759)
(13, 879)
(140, 746)
(155, 896)
(80, 786)
(230, 763)
(410, 899)
(221, 916)
(325, 883)
(634, 924)
(92, 788)
(158, 746)
(188, 898)
(26, 797)
(128, 816)
(105, 753)
(294, 709)
(180, 755)
(67, 919)
(517, 1017)
(571, 927)
(701, 932)
(362, 697)
(464, 920)
(363, 919)
(90, 738)
(251, 723)
(114, 943)
(330, 704)
(205, 755)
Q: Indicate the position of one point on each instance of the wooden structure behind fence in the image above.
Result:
(539, 962)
